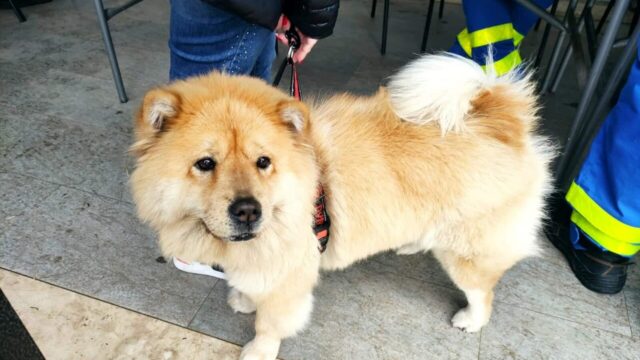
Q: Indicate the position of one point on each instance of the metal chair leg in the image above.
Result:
(636, 16)
(545, 36)
(441, 9)
(385, 26)
(587, 95)
(427, 25)
(17, 11)
(590, 30)
(555, 55)
(605, 15)
(596, 118)
(373, 8)
(568, 51)
(111, 53)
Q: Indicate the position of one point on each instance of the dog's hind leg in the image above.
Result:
(476, 278)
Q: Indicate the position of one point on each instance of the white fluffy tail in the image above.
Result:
(441, 87)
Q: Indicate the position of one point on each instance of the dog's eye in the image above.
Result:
(206, 164)
(263, 162)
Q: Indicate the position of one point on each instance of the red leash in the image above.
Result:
(321, 221)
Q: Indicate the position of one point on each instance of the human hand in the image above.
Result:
(306, 43)
(283, 25)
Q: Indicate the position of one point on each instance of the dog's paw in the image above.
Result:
(260, 349)
(240, 302)
(467, 321)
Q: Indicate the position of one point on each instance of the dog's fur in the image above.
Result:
(444, 159)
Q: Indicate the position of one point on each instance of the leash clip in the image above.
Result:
(294, 42)
(292, 50)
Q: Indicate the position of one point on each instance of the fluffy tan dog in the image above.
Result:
(444, 159)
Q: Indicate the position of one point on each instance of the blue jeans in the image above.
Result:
(203, 38)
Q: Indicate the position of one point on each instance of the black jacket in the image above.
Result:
(315, 18)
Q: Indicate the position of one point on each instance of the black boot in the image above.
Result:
(598, 270)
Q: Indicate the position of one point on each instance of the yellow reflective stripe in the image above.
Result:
(606, 241)
(599, 218)
(506, 64)
(491, 35)
(517, 37)
(465, 41)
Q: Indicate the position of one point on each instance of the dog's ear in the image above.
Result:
(159, 106)
(294, 113)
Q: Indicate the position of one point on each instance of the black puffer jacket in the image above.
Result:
(315, 18)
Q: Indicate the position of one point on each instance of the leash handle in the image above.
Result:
(294, 42)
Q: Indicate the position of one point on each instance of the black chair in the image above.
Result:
(385, 22)
(589, 115)
(587, 23)
(16, 10)
(104, 15)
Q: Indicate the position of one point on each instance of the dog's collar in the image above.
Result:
(321, 221)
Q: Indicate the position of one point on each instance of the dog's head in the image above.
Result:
(226, 154)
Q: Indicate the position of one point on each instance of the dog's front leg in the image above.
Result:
(240, 302)
(278, 316)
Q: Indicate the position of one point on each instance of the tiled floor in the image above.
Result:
(66, 325)
(66, 216)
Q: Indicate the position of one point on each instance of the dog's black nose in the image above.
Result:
(245, 211)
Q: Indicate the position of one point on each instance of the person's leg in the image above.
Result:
(604, 196)
(204, 38)
(262, 67)
(499, 25)
(488, 26)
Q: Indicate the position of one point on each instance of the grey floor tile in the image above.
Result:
(514, 333)
(19, 197)
(58, 17)
(20, 194)
(632, 298)
(216, 318)
(360, 314)
(546, 285)
(38, 54)
(633, 280)
(423, 267)
(67, 152)
(96, 246)
(374, 72)
(80, 98)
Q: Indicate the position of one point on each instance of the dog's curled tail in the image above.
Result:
(450, 89)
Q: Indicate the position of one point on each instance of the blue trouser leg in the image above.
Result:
(482, 14)
(204, 38)
(484, 19)
(606, 193)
